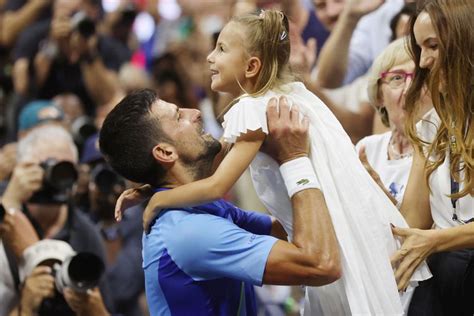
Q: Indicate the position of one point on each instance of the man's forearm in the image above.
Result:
(312, 227)
(15, 21)
(334, 56)
(101, 83)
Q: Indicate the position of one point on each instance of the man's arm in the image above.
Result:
(312, 258)
(14, 22)
(334, 56)
(101, 82)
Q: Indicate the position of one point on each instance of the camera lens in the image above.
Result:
(86, 27)
(85, 270)
(105, 178)
(83, 24)
(82, 128)
(62, 175)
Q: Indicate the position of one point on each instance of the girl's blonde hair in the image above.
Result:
(453, 23)
(394, 54)
(267, 36)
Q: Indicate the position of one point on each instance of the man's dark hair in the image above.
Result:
(128, 136)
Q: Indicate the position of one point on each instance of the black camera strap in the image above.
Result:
(13, 267)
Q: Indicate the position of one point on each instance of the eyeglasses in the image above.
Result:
(396, 79)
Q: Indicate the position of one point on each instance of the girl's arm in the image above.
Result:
(215, 186)
(225, 148)
(415, 207)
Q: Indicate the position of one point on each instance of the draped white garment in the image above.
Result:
(360, 211)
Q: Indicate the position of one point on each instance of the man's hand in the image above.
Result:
(303, 55)
(89, 303)
(359, 8)
(288, 134)
(27, 178)
(7, 160)
(38, 286)
(60, 28)
(17, 231)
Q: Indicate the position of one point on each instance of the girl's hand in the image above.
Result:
(129, 198)
(417, 245)
(151, 211)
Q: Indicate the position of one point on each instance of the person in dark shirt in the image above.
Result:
(68, 54)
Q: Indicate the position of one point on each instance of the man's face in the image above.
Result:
(328, 12)
(185, 128)
(59, 150)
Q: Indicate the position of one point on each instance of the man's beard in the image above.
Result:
(201, 165)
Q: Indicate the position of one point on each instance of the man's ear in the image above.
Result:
(164, 153)
(254, 65)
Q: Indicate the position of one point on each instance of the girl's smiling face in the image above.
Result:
(228, 61)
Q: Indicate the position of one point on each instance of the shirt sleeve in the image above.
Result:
(248, 114)
(254, 222)
(209, 247)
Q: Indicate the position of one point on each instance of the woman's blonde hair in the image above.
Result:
(267, 36)
(453, 23)
(394, 54)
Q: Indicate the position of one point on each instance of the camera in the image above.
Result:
(106, 179)
(58, 180)
(83, 24)
(82, 128)
(79, 271)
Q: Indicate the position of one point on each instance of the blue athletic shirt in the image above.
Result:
(205, 260)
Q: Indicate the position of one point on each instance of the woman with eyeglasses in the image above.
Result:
(390, 154)
(438, 202)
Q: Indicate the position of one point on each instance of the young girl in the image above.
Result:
(250, 61)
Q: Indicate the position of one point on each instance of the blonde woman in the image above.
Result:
(390, 153)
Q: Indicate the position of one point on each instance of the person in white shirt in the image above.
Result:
(390, 153)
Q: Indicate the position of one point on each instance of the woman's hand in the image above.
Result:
(373, 174)
(417, 245)
(129, 198)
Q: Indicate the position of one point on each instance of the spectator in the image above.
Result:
(390, 153)
(122, 239)
(44, 201)
(362, 31)
(68, 54)
(18, 15)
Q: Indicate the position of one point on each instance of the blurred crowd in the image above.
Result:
(64, 64)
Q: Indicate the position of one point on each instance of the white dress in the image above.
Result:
(440, 182)
(361, 213)
(393, 172)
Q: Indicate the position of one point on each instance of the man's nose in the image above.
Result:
(193, 115)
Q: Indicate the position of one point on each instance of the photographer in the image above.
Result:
(41, 186)
(122, 239)
(68, 54)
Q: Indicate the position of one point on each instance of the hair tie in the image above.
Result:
(283, 35)
(262, 14)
